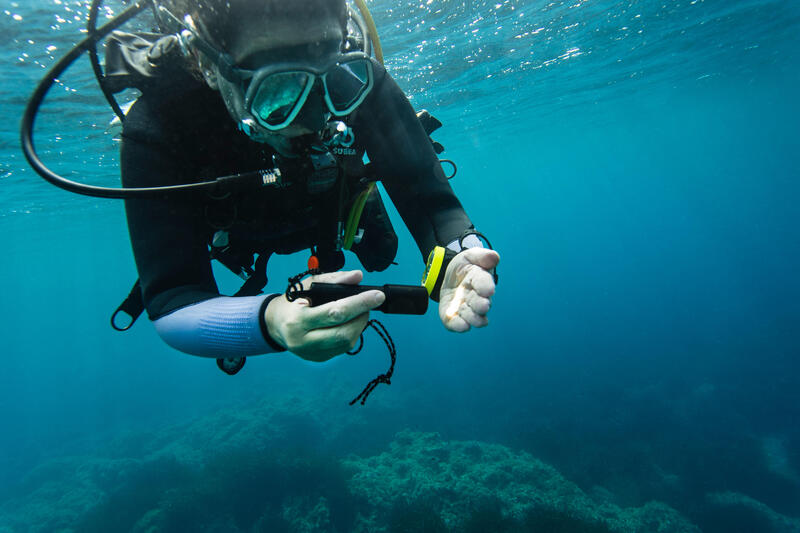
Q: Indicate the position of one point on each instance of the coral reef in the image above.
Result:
(413, 517)
(266, 469)
(743, 513)
(452, 477)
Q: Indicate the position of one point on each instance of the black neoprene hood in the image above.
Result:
(225, 22)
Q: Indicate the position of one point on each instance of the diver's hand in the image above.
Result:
(325, 331)
(467, 289)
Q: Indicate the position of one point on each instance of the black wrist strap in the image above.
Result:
(262, 322)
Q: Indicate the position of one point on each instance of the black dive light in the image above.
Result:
(400, 299)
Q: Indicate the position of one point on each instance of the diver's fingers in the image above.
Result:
(342, 311)
(324, 343)
(483, 257)
(471, 317)
(456, 324)
(458, 316)
(477, 303)
(480, 281)
(464, 320)
(347, 277)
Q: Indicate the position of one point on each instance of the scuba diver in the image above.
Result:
(286, 91)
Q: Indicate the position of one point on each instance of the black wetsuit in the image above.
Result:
(178, 135)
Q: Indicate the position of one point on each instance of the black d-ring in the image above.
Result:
(453, 164)
(132, 306)
(231, 365)
(114, 320)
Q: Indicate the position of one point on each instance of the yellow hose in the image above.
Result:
(358, 206)
(355, 217)
(371, 28)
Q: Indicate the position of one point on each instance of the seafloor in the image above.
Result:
(269, 466)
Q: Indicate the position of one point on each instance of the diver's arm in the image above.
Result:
(220, 327)
(168, 238)
(169, 234)
(224, 327)
(409, 169)
(238, 327)
(413, 177)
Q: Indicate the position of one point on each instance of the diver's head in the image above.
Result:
(278, 64)
(235, 25)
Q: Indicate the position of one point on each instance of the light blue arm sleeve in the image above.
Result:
(220, 327)
(470, 241)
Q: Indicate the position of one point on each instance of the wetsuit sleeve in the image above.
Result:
(409, 169)
(167, 235)
(169, 238)
(220, 327)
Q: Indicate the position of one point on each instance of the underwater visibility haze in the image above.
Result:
(635, 163)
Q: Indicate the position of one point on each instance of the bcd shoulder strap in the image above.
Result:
(139, 60)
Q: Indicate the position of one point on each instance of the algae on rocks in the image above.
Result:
(452, 477)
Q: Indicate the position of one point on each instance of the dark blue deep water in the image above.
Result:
(637, 166)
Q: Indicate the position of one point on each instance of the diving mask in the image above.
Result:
(272, 96)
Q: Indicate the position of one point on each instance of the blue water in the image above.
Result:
(636, 165)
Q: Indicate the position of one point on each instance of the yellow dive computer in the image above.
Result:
(435, 269)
